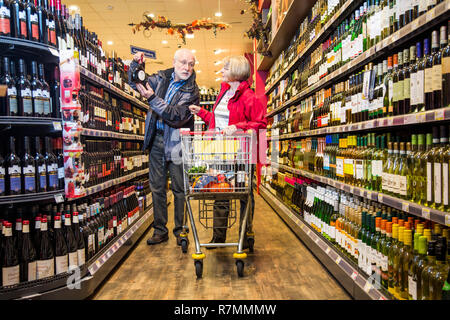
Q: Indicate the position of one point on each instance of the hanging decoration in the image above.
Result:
(257, 30)
(180, 28)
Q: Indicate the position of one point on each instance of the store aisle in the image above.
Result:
(281, 268)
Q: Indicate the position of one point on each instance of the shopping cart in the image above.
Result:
(217, 173)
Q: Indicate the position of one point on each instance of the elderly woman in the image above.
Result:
(236, 108)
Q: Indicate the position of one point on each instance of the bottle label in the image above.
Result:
(429, 181)
(46, 106)
(428, 80)
(27, 104)
(53, 180)
(14, 178)
(377, 168)
(61, 173)
(73, 259)
(34, 26)
(437, 77)
(445, 65)
(23, 24)
(412, 88)
(2, 184)
(45, 268)
(13, 106)
(445, 184)
(437, 182)
(402, 185)
(5, 24)
(30, 183)
(32, 271)
(420, 87)
(406, 88)
(61, 264)
(359, 170)
(412, 287)
(81, 257)
(11, 275)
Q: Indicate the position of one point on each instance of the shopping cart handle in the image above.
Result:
(185, 132)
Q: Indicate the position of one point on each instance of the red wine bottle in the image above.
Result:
(79, 238)
(41, 168)
(10, 259)
(37, 232)
(5, 18)
(9, 103)
(27, 255)
(14, 169)
(46, 260)
(41, 12)
(72, 246)
(2, 178)
(17, 234)
(24, 89)
(36, 91)
(52, 166)
(55, 94)
(51, 27)
(45, 92)
(32, 21)
(28, 168)
(61, 252)
(60, 159)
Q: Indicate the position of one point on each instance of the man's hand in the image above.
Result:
(230, 130)
(194, 109)
(146, 91)
(139, 57)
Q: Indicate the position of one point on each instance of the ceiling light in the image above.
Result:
(151, 15)
(74, 8)
(218, 79)
(196, 62)
(218, 14)
(193, 51)
(164, 42)
(217, 51)
(190, 36)
(216, 63)
(198, 71)
(110, 43)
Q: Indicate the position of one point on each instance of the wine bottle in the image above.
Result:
(52, 166)
(2, 178)
(27, 255)
(61, 252)
(139, 75)
(9, 103)
(55, 94)
(72, 246)
(45, 90)
(420, 77)
(28, 168)
(42, 15)
(32, 21)
(5, 18)
(446, 71)
(437, 70)
(25, 95)
(429, 97)
(81, 256)
(52, 30)
(14, 169)
(46, 261)
(60, 159)
(36, 90)
(41, 168)
(10, 259)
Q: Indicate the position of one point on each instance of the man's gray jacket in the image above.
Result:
(175, 116)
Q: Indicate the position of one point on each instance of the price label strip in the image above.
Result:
(405, 206)
(426, 213)
(57, 126)
(354, 275)
(59, 198)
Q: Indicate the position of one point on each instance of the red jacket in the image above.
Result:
(246, 111)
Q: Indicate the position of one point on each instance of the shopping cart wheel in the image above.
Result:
(251, 243)
(184, 245)
(198, 268)
(240, 267)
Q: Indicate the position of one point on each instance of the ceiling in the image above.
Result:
(110, 18)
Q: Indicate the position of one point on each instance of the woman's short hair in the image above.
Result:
(238, 66)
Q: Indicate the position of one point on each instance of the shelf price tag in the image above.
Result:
(57, 126)
(380, 197)
(367, 287)
(439, 114)
(409, 119)
(354, 275)
(338, 259)
(405, 206)
(426, 213)
(390, 122)
(328, 250)
(54, 52)
(59, 198)
(420, 117)
(447, 220)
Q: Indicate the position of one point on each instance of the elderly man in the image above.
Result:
(169, 94)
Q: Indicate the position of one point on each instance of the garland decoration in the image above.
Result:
(257, 30)
(180, 28)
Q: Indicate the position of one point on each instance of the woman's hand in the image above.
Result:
(139, 57)
(194, 109)
(146, 91)
(230, 130)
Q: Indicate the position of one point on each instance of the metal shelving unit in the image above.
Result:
(400, 204)
(109, 134)
(57, 196)
(11, 46)
(356, 283)
(426, 21)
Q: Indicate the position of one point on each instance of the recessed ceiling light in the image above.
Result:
(218, 14)
(164, 42)
(198, 71)
(196, 62)
(74, 8)
(151, 15)
(193, 51)
(190, 36)
(110, 43)
(218, 79)
(217, 51)
(216, 63)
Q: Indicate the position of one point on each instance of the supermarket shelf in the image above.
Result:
(13, 46)
(347, 273)
(433, 17)
(109, 134)
(112, 88)
(400, 204)
(57, 196)
(297, 11)
(108, 184)
(329, 26)
(32, 121)
(207, 102)
(91, 274)
(402, 120)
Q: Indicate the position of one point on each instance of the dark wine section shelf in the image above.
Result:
(31, 121)
(57, 196)
(68, 286)
(438, 14)
(346, 272)
(13, 47)
(400, 204)
(113, 135)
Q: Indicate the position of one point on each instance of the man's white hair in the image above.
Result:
(179, 52)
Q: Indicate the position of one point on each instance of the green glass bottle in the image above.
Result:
(440, 272)
(431, 262)
(397, 263)
(405, 261)
(391, 256)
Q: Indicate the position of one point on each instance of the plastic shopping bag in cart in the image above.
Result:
(209, 183)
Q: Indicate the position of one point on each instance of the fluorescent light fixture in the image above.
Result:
(74, 8)
(110, 43)
(218, 79)
(190, 36)
(216, 63)
(218, 14)
(217, 51)
(198, 71)
(218, 72)
(164, 42)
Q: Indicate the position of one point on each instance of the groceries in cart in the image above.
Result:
(212, 183)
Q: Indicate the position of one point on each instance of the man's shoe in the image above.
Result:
(179, 238)
(158, 238)
(215, 240)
